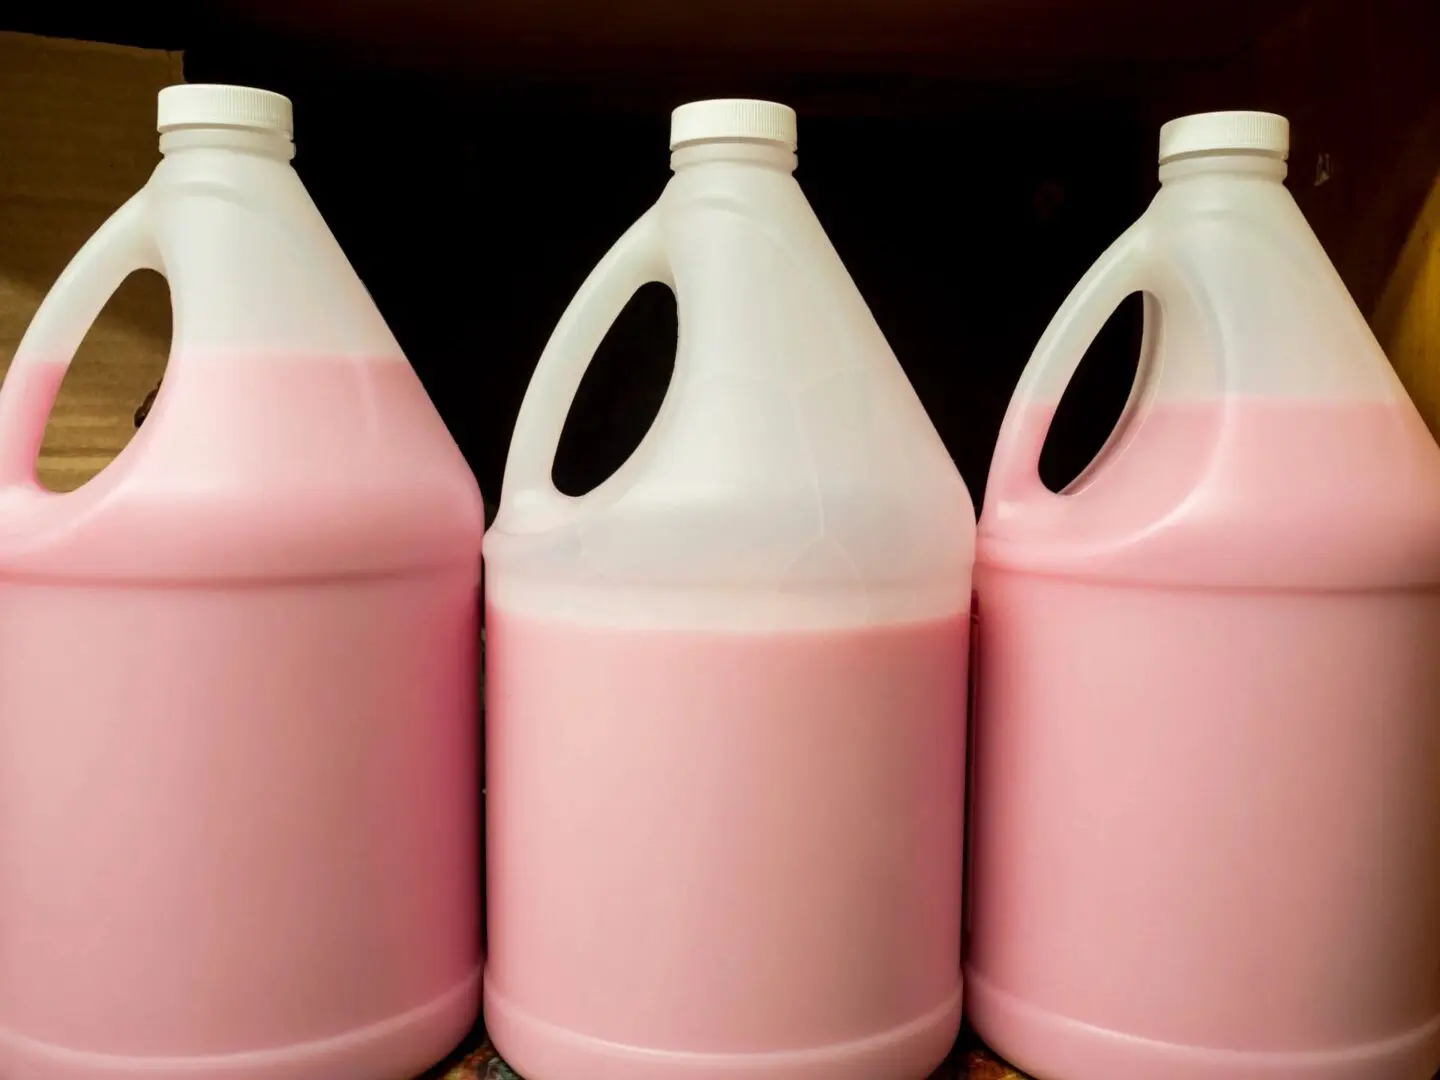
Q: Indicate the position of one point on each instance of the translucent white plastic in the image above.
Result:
(726, 689)
(1240, 299)
(792, 477)
(238, 777)
(1206, 803)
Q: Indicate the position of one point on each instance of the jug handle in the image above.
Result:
(121, 246)
(1132, 264)
(529, 500)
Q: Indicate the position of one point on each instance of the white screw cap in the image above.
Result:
(732, 118)
(1203, 133)
(210, 105)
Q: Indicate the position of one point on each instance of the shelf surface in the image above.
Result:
(477, 1060)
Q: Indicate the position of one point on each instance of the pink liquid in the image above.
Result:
(237, 738)
(715, 853)
(1206, 814)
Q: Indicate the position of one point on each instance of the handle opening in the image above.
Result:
(123, 245)
(1100, 403)
(115, 373)
(620, 393)
(529, 499)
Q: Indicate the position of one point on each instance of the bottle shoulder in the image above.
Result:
(1247, 494)
(675, 557)
(263, 467)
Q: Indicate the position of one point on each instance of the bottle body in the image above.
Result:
(725, 691)
(1225, 862)
(1206, 818)
(242, 838)
(746, 856)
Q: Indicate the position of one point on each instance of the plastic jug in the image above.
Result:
(238, 760)
(725, 689)
(1206, 802)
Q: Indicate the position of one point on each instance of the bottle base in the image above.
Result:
(538, 1050)
(399, 1048)
(1049, 1046)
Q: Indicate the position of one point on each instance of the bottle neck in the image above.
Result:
(768, 155)
(1243, 164)
(271, 144)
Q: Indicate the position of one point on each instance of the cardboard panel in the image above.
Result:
(77, 121)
